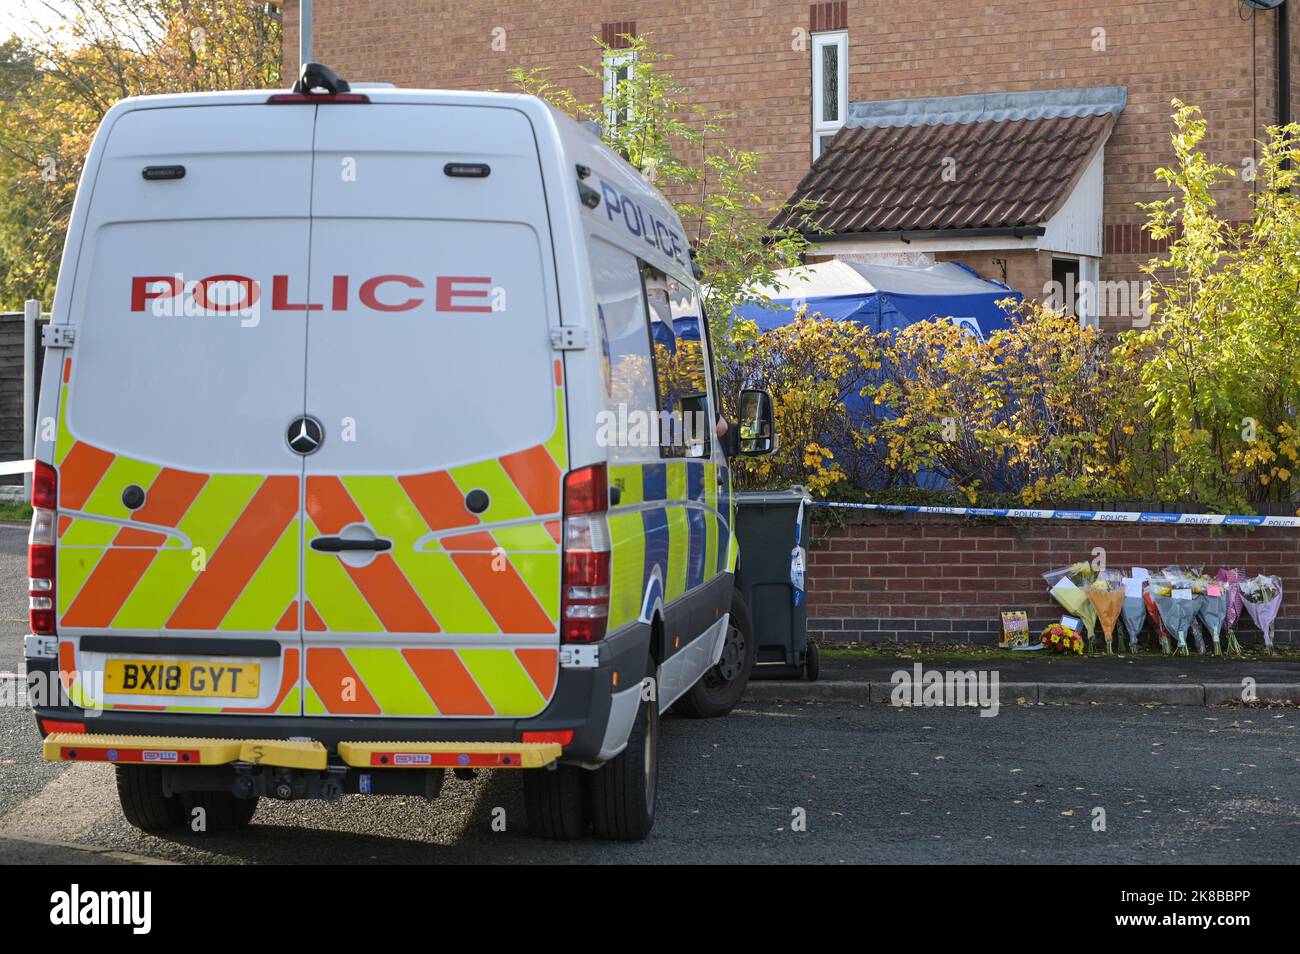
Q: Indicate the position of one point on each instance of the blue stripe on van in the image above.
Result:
(695, 480)
(724, 518)
(655, 524)
(695, 556)
(654, 482)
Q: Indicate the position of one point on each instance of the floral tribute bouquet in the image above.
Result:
(1062, 640)
(1232, 580)
(1177, 605)
(1068, 588)
(1214, 606)
(1153, 613)
(1106, 594)
(1191, 579)
(1134, 612)
(1262, 597)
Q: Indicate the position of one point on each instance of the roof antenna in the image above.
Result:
(317, 76)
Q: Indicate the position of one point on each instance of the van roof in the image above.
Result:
(575, 141)
(376, 94)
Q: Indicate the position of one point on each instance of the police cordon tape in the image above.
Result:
(1098, 516)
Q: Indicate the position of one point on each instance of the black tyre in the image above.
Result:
(719, 690)
(222, 811)
(556, 802)
(623, 789)
(812, 664)
(144, 802)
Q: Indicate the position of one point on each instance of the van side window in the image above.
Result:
(681, 372)
(625, 350)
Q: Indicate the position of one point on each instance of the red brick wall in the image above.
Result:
(885, 577)
(740, 57)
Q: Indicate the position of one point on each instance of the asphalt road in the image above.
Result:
(876, 784)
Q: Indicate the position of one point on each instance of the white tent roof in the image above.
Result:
(836, 278)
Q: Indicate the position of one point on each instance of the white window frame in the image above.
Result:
(616, 61)
(820, 128)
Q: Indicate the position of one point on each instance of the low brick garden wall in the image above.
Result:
(912, 578)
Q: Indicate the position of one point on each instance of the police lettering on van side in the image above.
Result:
(236, 294)
(642, 223)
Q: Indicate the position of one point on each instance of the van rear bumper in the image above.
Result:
(581, 704)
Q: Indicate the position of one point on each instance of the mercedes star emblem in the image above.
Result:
(305, 435)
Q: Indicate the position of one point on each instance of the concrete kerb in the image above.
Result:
(1052, 693)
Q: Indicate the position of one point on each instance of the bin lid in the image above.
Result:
(790, 498)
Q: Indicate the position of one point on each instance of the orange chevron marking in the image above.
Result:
(238, 556)
(80, 472)
(438, 499)
(541, 666)
(537, 478)
(447, 682)
(380, 581)
(169, 496)
(110, 583)
(333, 678)
(504, 594)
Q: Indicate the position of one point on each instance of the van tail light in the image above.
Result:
(40, 549)
(584, 606)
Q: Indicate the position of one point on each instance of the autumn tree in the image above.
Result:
(73, 61)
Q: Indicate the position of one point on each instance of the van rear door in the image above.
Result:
(431, 560)
(179, 497)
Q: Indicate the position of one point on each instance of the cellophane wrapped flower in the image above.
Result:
(1214, 606)
(1153, 613)
(1067, 586)
(1106, 594)
(1232, 579)
(1262, 597)
(1177, 605)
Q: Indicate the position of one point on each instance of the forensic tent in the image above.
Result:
(884, 297)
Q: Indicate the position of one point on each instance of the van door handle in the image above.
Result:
(341, 544)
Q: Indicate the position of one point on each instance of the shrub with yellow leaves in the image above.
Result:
(816, 370)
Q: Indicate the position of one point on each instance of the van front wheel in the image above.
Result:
(719, 690)
(623, 789)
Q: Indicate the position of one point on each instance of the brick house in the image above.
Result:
(1014, 137)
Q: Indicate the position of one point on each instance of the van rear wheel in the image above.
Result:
(145, 802)
(221, 811)
(555, 801)
(623, 789)
(719, 690)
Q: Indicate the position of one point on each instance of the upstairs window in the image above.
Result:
(617, 69)
(830, 87)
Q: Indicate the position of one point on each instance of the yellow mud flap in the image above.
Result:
(449, 754)
(170, 750)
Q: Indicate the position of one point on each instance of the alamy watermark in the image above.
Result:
(1103, 299)
(946, 688)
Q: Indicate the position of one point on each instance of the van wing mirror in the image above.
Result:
(756, 429)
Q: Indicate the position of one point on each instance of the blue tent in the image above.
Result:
(884, 297)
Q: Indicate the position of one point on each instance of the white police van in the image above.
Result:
(379, 441)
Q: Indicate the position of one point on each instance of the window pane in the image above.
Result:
(680, 374)
(830, 83)
(625, 346)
